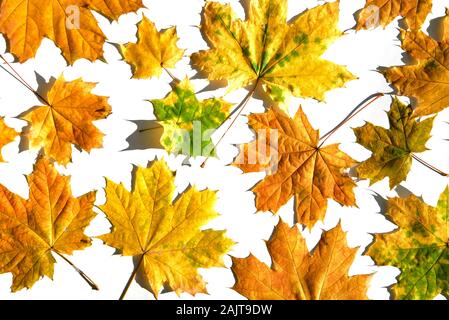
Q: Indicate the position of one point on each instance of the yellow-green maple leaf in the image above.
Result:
(166, 238)
(188, 122)
(393, 148)
(419, 247)
(264, 49)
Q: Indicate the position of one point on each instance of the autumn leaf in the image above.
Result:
(393, 149)
(385, 11)
(167, 239)
(7, 135)
(67, 119)
(153, 52)
(428, 80)
(188, 122)
(112, 9)
(297, 274)
(419, 247)
(297, 166)
(50, 222)
(70, 24)
(284, 58)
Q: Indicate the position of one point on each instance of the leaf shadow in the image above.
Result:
(381, 202)
(43, 86)
(402, 192)
(436, 28)
(147, 135)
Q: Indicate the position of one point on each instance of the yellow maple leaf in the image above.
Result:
(67, 119)
(264, 49)
(7, 135)
(166, 238)
(297, 274)
(153, 51)
(383, 12)
(303, 169)
(112, 9)
(69, 23)
(428, 80)
(50, 221)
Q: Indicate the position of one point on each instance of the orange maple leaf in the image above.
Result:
(428, 80)
(7, 135)
(50, 221)
(297, 274)
(67, 119)
(303, 169)
(69, 23)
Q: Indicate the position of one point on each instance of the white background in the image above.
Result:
(361, 52)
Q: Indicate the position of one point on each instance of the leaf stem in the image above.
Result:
(170, 74)
(431, 167)
(89, 281)
(362, 106)
(149, 129)
(131, 278)
(20, 79)
(238, 111)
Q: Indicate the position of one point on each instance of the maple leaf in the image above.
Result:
(189, 123)
(50, 221)
(67, 119)
(302, 169)
(166, 238)
(419, 247)
(428, 80)
(70, 24)
(264, 49)
(385, 11)
(153, 52)
(297, 274)
(392, 149)
(7, 135)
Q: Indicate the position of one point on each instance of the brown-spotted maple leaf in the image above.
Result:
(427, 81)
(166, 238)
(297, 166)
(153, 51)
(285, 58)
(70, 24)
(50, 222)
(419, 247)
(393, 149)
(296, 274)
(67, 119)
(383, 12)
(7, 135)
